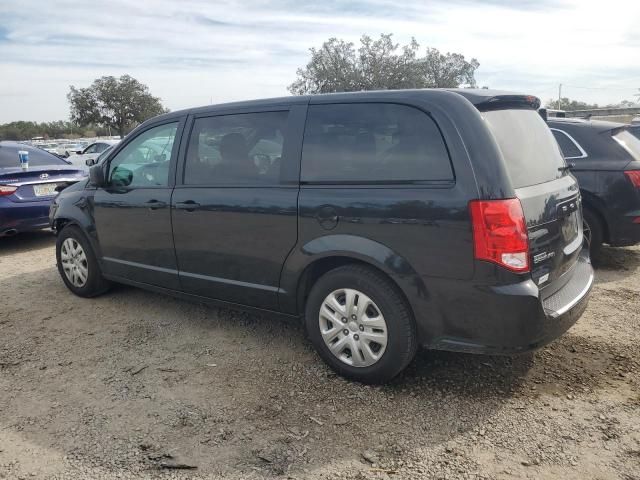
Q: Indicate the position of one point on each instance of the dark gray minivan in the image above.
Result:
(386, 220)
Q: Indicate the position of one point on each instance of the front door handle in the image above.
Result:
(189, 205)
(155, 204)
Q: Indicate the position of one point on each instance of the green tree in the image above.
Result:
(118, 103)
(57, 129)
(379, 65)
(571, 105)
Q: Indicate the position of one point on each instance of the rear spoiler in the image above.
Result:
(505, 102)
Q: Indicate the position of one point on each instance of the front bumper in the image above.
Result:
(514, 318)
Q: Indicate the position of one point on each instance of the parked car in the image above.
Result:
(606, 161)
(25, 195)
(93, 151)
(90, 162)
(49, 147)
(67, 149)
(387, 220)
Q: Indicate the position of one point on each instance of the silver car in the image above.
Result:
(92, 152)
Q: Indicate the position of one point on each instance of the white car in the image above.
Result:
(92, 152)
(49, 147)
(67, 149)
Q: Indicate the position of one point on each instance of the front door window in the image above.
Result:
(144, 162)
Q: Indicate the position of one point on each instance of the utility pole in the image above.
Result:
(559, 95)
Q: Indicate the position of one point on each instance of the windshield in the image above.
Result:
(37, 157)
(529, 149)
(629, 142)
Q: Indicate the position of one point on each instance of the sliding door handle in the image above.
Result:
(155, 204)
(189, 205)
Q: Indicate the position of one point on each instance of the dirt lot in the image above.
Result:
(131, 383)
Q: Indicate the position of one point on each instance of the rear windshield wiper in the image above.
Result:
(566, 167)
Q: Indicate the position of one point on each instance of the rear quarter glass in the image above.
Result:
(530, 151)
(373, 142)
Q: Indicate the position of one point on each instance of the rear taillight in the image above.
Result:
(634, 176)
(500, 233)
(7, 190)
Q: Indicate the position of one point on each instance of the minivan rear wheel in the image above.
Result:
(360, 324)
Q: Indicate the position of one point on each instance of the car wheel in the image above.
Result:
(360, 324)
(593, 232)
(77, 263)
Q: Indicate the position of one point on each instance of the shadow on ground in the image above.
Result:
(24, 242)
(618, 259)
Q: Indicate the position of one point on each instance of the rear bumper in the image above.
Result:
(22, 217)
(514, 318)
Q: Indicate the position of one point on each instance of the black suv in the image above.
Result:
(605, 158)
(387, 220)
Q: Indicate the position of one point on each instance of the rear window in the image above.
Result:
(529, 149)
(372, 142)
(37, 157)
(629, 142)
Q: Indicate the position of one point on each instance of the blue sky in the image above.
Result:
(194, 52)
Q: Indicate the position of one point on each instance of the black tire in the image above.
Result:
(594, 232)
(402, 342)
(95, 283)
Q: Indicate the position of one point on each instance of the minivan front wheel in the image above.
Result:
(77, 263)
(360, 324)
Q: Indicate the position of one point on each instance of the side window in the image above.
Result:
(570, 148)
(372, 143)
(239, 149)
(90, 149)
(144, 162)
(100, 147)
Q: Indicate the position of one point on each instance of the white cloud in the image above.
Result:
(195, 51)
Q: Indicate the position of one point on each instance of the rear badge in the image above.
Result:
(543, 279)
(541, 257)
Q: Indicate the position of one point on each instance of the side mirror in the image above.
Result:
(90, 162)
(120, 176)
(78, 152)
(97, 176)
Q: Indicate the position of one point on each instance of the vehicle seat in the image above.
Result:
(236, 163)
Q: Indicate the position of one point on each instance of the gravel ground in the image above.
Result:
(134, 385)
